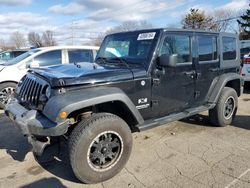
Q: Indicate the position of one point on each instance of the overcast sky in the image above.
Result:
(94, 16)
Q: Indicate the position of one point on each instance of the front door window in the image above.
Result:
(179, 45)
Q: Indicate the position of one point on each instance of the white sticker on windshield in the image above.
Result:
(146, 36)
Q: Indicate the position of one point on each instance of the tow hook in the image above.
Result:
(38, 146)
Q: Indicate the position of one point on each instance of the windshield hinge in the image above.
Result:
(156, 81)
(197, 94)
(154, 103)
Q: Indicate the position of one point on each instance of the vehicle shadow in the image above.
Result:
(239, 121)
(246, 88)
(198, 119)
(12, 140)
(45, 182)
(55, 160)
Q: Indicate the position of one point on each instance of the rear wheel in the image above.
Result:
(99, 147)
(224, 111)
(6, 91)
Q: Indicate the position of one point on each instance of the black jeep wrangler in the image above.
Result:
(140, 79)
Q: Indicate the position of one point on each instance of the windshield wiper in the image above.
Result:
(122, 60)
(102, 59)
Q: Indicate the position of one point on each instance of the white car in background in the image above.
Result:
(6, 56)
(12, 71)
(245, 72)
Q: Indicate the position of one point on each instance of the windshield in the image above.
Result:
(133, 47)
(22, 57)
(5, 56)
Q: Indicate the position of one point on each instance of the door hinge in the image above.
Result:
(197, 94)
(156, 81)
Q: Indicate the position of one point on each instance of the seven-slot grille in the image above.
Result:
(30, 90)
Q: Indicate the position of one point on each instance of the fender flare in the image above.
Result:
(219, 83)
(79, 99)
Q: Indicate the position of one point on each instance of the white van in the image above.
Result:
(12, 71)
(245, 56)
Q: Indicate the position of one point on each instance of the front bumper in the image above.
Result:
(246, 72)
(32, 122)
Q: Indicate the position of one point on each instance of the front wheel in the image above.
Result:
(99, 147)
(224, 111)
(6, 91)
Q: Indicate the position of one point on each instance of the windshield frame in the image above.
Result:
(145, 61)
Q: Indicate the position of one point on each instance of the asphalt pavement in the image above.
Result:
(188, 153)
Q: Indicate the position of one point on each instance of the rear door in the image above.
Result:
(206, 65)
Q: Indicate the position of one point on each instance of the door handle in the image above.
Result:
(198, 75)
(190, 74)
(213, 69)
(193, 74)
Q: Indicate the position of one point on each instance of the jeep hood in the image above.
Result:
(87, 73)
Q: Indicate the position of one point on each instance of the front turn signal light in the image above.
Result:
(63, 115)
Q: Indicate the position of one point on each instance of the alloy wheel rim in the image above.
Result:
(5, 94)
(105, 151)
(229, 108)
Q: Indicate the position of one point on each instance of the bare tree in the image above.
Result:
(17, 39)
(48, 38)
(3, 45)
(125, 26)
(98, 40)
(133, 25)
(35, 39)
(197, 19)
(224, 18)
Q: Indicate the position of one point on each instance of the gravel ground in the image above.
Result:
(188, 153)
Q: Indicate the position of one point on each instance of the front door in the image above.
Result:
(173, 87)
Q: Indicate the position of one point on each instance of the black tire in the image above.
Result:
(6, 90)
(224, 111)
(87, 147)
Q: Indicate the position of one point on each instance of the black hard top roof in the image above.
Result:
(178, 30)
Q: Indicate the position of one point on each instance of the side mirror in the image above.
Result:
(166, 60)
(34, 64)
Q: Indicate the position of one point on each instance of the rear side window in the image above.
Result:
(179, 45)
(229, 48)
(76, 56)
(49, 58)
(17, 53)
(244, 48)
(207, 48)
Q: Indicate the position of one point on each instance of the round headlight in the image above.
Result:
(48, 92)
